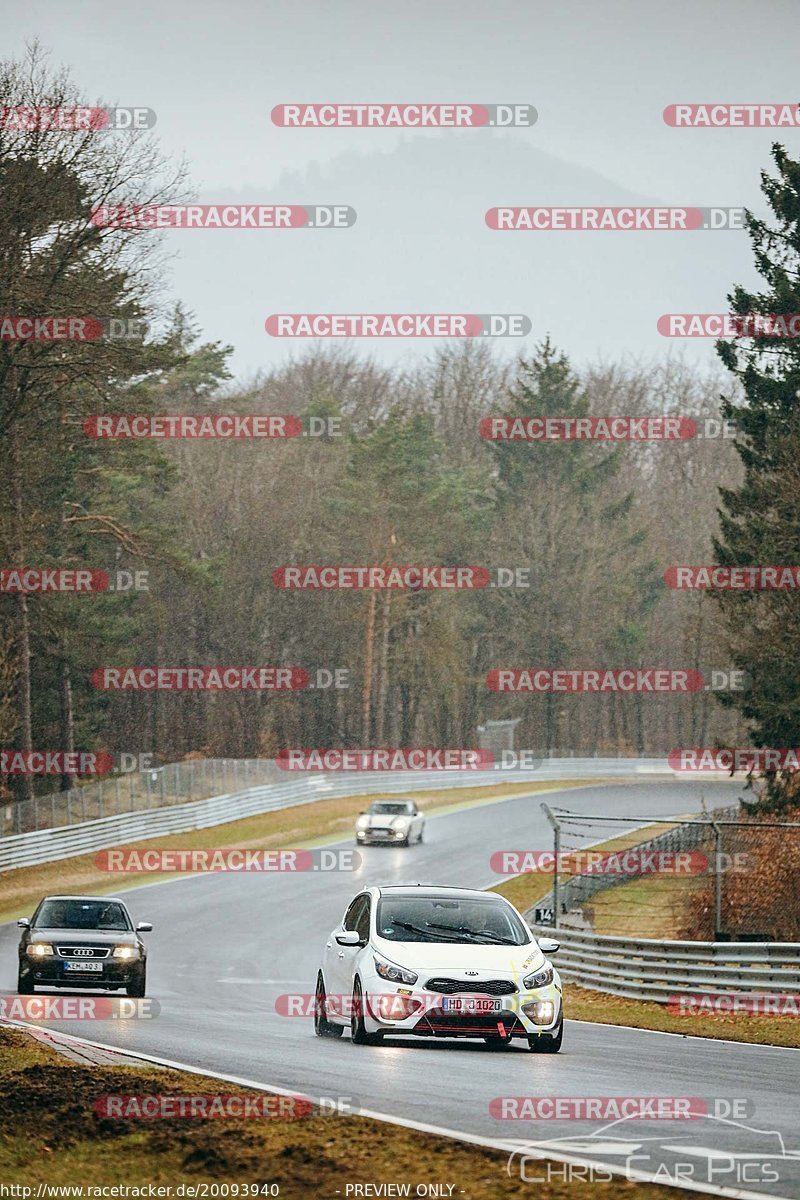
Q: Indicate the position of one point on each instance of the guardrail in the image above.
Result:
(648, 969)
(47, 845)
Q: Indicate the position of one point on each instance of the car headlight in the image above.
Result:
(401, 822)
(125, 952)
(538, 979)
(362, 822)
(39, 950)
(393, 973)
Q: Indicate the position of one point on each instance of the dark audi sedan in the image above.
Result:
(82, 941)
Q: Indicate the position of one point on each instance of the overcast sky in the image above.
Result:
(599, 74)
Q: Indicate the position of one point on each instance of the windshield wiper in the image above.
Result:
(496, 937)
(425, 932)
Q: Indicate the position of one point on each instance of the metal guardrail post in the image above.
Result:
(557, 852)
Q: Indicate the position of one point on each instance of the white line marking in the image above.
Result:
(420, 1126)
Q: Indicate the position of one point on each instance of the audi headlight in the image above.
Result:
(39, 950)
(538, 979)
(393, 973)
(125, 952)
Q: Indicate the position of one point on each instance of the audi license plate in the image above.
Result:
(83, 966)
(471, 1004)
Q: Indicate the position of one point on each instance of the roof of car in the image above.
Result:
(108, 899)
(435, 889)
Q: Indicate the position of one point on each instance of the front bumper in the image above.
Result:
(381, 837)
(430, 1018)
(53, 973)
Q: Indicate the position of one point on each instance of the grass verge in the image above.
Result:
(584, 1004)
(50, 1134)
(304, 825)
(647, 908)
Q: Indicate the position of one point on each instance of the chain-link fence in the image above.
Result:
(741, 883)
(177, 783)
(157, 787)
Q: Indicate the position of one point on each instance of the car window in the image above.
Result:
(392, 808)
(353, 913)
(466, 920)
(82, 914)
(362, 919)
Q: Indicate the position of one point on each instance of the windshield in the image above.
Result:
(82, 914)
(391, 808)
(473, 921)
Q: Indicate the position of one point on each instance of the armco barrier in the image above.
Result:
(48, 845)
(647, 969)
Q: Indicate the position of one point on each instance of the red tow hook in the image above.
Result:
(501, 1029)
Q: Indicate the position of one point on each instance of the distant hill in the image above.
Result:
(421, 244)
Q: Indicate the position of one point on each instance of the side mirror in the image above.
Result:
(24, 923)
(348, 937)
(144, 927)
(548, 945)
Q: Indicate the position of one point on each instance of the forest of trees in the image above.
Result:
(408, 480)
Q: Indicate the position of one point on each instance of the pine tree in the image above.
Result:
(760, 519)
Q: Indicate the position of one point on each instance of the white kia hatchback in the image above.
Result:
(438, 962)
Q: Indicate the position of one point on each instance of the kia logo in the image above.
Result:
(84, 953)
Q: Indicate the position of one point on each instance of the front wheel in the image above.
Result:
(358, 1030)
(547, 1043)
(322, 1026)
(24, 983)
(138, 984)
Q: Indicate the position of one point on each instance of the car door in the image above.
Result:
(358, 917)
(339, 981)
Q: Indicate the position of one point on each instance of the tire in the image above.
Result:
(421, 837)
(358, 1032)
(547, 1043)
(25, 986)
(322, 1026)
(138, 985)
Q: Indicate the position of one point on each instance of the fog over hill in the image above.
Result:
(420, 244)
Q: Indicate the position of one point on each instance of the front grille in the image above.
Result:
(484, 987)
(81, 952)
